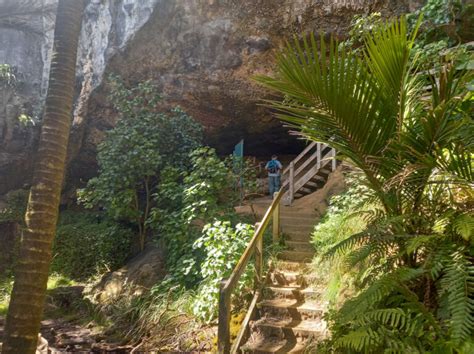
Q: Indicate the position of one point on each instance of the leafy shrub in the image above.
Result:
(15, 209)
(6, 286)
(340, 221)
(86, 244)
(222, 246)
(186, 201)
(244, 175)
(143, 143)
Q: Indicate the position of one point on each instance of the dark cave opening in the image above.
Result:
(269, 139)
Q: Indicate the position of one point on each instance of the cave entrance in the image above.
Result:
(260, 143)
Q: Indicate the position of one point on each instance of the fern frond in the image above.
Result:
(374, 250)
(379, 289)
(360, 340)
(458, 283)
(345, 245)
(464, 225)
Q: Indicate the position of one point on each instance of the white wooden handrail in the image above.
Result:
(312, 164)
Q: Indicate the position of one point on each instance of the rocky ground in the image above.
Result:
(63, 336)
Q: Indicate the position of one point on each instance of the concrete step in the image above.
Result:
(274, 345)
(287, 278)
(300, 246)
(297, 236)
(311, 219)
(290, 328)
(282, 266)
(291, 292)
(291, 309)
(299, 212)
(320, 180)
(297, 256)
(324, 171)
(297, 228)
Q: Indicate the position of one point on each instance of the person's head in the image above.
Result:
(274, 157)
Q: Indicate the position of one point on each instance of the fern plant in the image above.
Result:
(415, 257)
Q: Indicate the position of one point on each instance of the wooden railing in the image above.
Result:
(228, 285)
(301, 169)
(305, 166)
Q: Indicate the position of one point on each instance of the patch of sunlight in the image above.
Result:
(6, 286)
(56, 280)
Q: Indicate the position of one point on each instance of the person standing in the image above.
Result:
(274, 168)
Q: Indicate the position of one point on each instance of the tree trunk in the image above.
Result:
(31, 274)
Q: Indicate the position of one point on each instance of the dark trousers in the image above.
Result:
(273, 184)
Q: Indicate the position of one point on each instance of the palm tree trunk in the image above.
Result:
(31, 274)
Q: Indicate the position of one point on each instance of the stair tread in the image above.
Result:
(291, 289)
(309, 325)
(275, 345)
(299, 246)
(284, 266)
(306, 305)
(299, 243)
(297, 255)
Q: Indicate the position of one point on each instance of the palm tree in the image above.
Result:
(31, 274)
(372, 106)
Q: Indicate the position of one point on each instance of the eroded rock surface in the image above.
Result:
(202, 53)
(133, 279)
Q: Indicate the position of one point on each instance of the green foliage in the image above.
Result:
(89, 243)
(438, 16)
(244, 175)
(7, 76)
(222, 245)
(361, 26)
(26, 120)
(439, 40)
(185, 201)
(15, 209)
(143, 143)
(413, 259)
(6, 285)
(341, 220)
(195, 219)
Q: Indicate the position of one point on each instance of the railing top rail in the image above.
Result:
(305, 164)
(304, 152)
(244, 259)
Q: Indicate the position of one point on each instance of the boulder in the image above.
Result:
(135, 278)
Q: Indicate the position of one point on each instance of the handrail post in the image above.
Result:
(292, 182)
(318, 156)
(333, 159)
(258, 260)
(276, 222)
(223, 330)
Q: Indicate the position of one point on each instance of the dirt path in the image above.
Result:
(66, 337)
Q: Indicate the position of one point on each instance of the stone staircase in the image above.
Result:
(290, 312)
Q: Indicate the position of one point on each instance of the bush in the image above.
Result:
(185, 202)
(142, 144)
(15, 209)
(86, 244)
(222, 246)
(339, 222)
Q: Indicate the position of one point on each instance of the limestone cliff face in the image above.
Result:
(202, 53)
(26, 45)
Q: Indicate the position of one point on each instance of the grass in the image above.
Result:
(6, 285)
